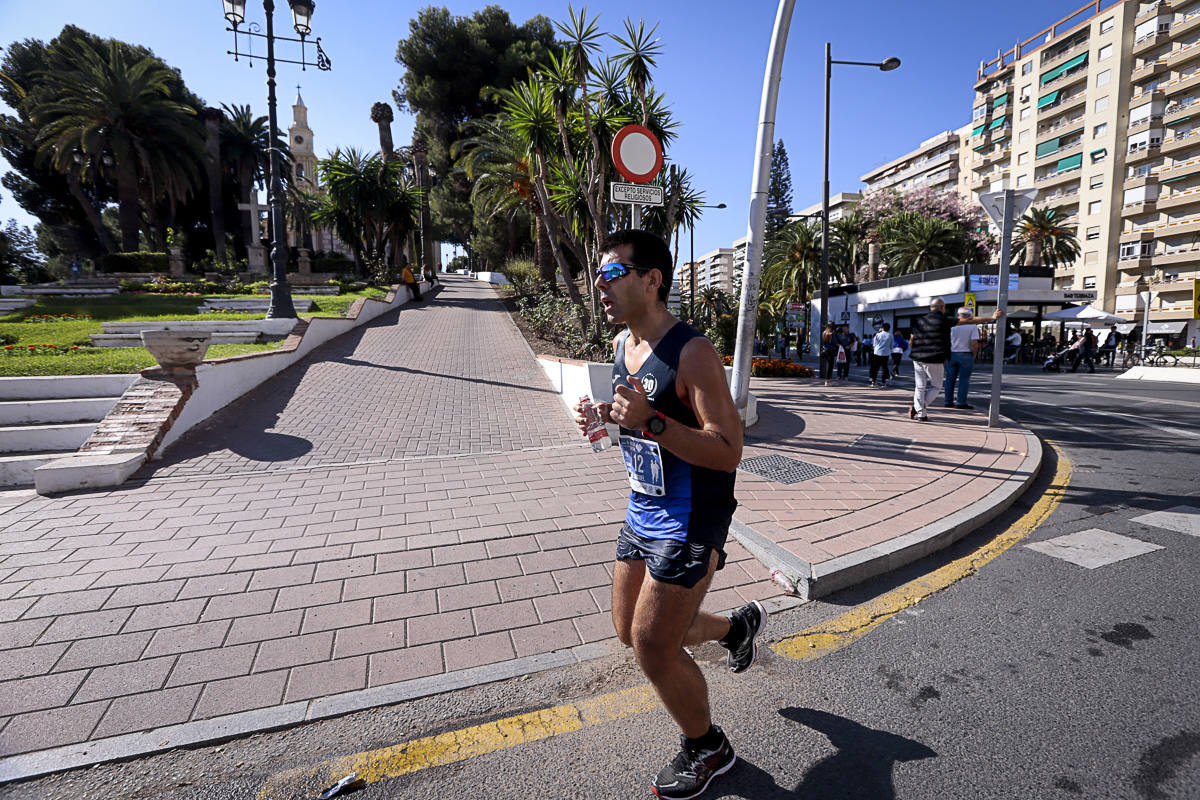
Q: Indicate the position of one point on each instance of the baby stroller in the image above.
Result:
(1056, 362)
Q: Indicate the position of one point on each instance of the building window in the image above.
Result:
(1022, 180)
(1093, 232)
(978, 113)
(1094, 206)
(1027, 68)
(1025, 92)
(1089, 283)
(1103, 78)
(1025, 112)
(1022, 158)
(1096, 182)
(1099, 155)
(1099, 130)
(1091, 257)
(1023, 137)
(1104, 52)
(1101, 104)
(1107, 25)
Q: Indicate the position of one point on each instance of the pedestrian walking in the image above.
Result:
(881, 351)
(964, 345)
(682, 440)
(899, 346)
(1109, 349)
(930, 349)
(1086, 352)
(414, 288)
(828, 354)
(845, 342)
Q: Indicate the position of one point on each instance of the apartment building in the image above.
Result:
(712, 269)
(933, 165)
(1096, 112)
(840, 205)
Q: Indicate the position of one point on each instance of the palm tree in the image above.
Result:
(848, 245)
(912, 242)
(710, 304)
(212, 163)
(119, 110)
(1044, 237)
(246, 147)
(638, 56)
(792, 261)
(368, 202)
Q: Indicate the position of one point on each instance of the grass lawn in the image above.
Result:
(88, 360)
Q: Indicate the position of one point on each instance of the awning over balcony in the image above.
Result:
(997, 122)
(1181, 177)
(1061, 68)
(979, 130)
(1000, 101)
(1048, 99)
(1046, 148)
(1070, 162)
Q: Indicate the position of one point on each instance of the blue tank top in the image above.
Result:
(699, 504)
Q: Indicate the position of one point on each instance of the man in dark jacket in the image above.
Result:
(929, 350)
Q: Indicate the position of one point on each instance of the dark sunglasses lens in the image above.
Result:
(613, 270)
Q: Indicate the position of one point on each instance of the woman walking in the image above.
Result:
(829, 348)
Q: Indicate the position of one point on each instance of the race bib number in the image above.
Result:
(643, 462)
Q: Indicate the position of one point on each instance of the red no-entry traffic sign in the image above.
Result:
(637, 154)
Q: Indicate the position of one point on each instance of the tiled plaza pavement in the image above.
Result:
(246, 576)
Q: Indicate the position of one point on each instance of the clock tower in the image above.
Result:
(300, 140)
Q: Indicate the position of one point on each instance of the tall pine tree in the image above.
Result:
(779, 192)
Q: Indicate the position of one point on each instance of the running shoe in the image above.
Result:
(742, 653)
(693, 769)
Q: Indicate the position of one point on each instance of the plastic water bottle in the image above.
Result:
(596, 433)
(783, 581)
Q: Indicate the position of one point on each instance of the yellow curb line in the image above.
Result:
(447, 748)
(821, 640)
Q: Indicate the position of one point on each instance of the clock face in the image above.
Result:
(299, 140)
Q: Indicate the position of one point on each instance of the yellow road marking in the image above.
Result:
(821, 640)
(452, 746)
(447, 748)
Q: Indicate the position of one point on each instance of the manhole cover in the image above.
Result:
(874, 441)
(782, 469)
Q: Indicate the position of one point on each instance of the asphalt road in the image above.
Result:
(1033, 678)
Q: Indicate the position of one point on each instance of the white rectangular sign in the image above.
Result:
(636, 193)
(1076, 295)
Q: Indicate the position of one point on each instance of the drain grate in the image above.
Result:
(873, 441)
(782, 469)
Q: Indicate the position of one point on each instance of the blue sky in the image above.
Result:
(711, 72)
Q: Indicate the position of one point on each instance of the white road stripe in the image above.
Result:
(1155, 424)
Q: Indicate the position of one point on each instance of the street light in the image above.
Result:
(302, 10)
(692, 250)
(1143, 284)
(885, 66)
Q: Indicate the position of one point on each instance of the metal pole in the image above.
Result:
(1146, 318)
(281, 293)
(1006, 230)
(692, 251)
(748, 312)
(825, 203)
(637, 217)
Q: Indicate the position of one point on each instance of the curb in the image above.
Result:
(817, 580)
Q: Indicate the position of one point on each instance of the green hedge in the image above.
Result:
(135, 262)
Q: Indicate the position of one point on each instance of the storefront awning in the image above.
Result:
(1166, 327)
(1070, 162)
(1048, 99)
(996, 123)
(1061, 68)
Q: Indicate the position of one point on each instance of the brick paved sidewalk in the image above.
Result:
(426, 532)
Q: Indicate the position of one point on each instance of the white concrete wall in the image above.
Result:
(492, 277)
(219, 383)
(63, 387)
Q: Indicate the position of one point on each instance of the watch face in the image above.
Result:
(657, 425)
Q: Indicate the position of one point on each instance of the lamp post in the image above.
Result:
(1143, 284)
(885, 66)
(302, 10)
(692, 251)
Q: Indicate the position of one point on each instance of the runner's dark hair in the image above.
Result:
(649, 252)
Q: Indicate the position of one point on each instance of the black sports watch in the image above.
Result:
(658, 424)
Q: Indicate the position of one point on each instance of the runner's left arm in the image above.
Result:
(717, 443)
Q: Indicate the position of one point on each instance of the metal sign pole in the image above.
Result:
(1006, 230)
(637, 217)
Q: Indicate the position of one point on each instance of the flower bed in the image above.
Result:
(38, 350)
(774, 368)
(57, 318)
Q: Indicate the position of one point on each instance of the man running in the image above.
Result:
(682, 440)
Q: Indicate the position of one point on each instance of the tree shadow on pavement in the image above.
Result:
(861, 768)
(775, 424)
(358, 362)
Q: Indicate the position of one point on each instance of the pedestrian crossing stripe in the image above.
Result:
(1093, 548)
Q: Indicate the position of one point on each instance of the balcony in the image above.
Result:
(1065, 150)
(1138, 208)
(1149, 96)
(1056, 178)
(1142, 234)
(1066, 79)
(1133, 262)
(996, 155)
(1150, 68)
(1179, 227)
(1062, 105)
(1073, 49)
(1174, 111)
(1161, 7)
(1147, 178)
(1188, 256)
(1141, 152)
(1065, 197)
(1178, 169)
(1050, 131)
(1000, 87)
(1003, 73)
(1147, 122)
(1173, 144)
(1181, 55)
(1186, 25)
(1149, 42)
(1178, 199)
(1177, 86)
(1064, 272)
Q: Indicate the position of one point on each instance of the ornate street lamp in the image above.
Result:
(302, 11)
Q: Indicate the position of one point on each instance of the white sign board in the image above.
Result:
(638, 194)
(1079, 295)
(993, 204)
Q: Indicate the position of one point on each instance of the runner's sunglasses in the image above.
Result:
(615, 269)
